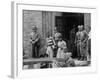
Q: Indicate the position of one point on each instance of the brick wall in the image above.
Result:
(44, 24)
(30, 17)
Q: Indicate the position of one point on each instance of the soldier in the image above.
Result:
(35, 37)
(81, 42)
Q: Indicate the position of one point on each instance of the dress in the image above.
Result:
(60, 52)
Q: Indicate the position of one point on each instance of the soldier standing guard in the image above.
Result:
(81, 42)
(35, 38)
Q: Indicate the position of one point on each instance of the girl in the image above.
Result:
(61, 46)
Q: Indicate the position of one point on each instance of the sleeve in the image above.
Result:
(47, 51)
(86, 35)
(37, 37)
(76, 38)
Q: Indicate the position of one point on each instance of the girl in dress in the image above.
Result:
(61, 46)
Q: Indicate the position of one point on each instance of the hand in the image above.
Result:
(33, 42)
(30, 41)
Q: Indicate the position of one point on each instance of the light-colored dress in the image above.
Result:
(60, 52)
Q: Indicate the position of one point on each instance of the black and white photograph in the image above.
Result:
(56, 39)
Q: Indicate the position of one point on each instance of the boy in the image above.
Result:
(81, 42)
(49, 50)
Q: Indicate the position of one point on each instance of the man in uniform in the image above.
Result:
(81, 42)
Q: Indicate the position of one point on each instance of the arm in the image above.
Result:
(36, 39)
(86, 37)
(75, 39)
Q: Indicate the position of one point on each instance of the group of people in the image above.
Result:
(57, 47)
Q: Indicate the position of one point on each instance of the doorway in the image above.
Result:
(67, 26)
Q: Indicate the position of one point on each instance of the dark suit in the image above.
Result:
(35, 37)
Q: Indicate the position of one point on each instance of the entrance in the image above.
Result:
(67, 26)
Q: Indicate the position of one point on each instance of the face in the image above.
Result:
(34, 30)
(80, 28)
(55, 31)
(56, 38)
(60, 39)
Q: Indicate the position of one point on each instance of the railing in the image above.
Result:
(40, 60)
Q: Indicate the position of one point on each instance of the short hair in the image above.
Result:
(34, 27)
(80, 26)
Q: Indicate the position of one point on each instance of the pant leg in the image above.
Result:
(78, 50)
(37, 50)
(85, 53)
(33, 50)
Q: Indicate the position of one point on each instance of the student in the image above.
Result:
(34, 39)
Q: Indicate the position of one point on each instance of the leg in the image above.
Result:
(78, 51)
(33, 51)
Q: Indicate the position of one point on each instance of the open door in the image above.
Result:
(67, 26)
